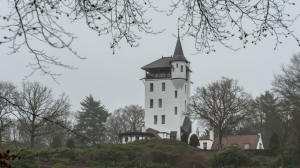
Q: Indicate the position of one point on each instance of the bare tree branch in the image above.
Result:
(219, 21)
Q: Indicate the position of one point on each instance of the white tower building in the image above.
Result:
(167, 95)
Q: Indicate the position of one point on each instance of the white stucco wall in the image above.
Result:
(131, 139)
(172, 121)
(209, 144)
(176, 71)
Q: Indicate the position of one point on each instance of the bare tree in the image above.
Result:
(114, 126)
(287, 87)
(30, 23)
(134, 116)
(130, 118)
(37, 104)
(211, 21)
(6, 90)
(222, 105)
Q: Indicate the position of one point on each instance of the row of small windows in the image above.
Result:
(163, 119)
(163, 88)
(181, 68)
(159, 103)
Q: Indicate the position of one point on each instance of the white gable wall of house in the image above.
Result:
(206, 144)
(260, 142)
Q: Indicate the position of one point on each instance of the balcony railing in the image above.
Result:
(157, 75)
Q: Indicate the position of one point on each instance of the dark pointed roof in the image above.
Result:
(165, 62)
(178, 53)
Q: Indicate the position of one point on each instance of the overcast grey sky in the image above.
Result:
(115, 79)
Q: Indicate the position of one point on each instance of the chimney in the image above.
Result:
(211, 135)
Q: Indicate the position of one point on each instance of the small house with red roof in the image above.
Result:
(245, 142)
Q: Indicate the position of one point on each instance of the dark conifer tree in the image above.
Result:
(274, 143)
(194, 141)
(91, 122)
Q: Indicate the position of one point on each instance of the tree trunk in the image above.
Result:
(32, 140)
(220, 140)
(32, 133)
(1, 129)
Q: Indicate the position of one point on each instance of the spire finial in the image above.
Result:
(178, 20)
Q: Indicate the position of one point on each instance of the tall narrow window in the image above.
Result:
(176, 94)
(181, 68)
(151, 87)
(163, 119)
(163, 86)
(205, 145)
(155, 119)
(185, 88)
(175, 110)
(185, 105)
(160, 103)
(176, 65)
(151, 103)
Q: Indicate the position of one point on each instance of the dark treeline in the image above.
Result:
(31, 116)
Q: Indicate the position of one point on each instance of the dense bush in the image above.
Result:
(27, 159)
(194, 141)
(231, 157)
(274, 144)
(291, 157)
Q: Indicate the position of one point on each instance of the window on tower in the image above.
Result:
(160, 103)
(181, 68)
(155, 119)
(176, 94)
(151, 87)
(163, 119)
(151, 103)
(163, 86)
(175, 110)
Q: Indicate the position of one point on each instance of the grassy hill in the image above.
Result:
(140, 154)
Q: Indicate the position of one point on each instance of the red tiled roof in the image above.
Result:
(204, 138)
(238, 140)
(154, 132)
